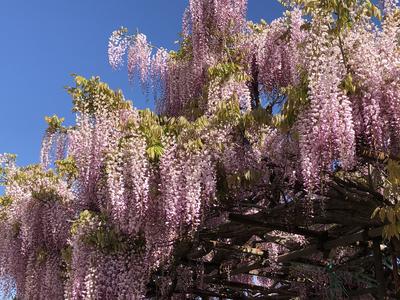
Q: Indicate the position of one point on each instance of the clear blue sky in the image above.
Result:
(44, 41)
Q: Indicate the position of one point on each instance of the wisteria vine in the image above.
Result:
(247, 113)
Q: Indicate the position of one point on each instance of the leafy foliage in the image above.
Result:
(91, 95)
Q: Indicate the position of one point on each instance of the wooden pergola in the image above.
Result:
(338, 218)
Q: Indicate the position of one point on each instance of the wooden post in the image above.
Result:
(379, 269)
(396, 274)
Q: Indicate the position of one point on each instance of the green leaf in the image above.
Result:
(391, 215)
(247, 175)
(382, 214)
(376, 211)
(54, 123)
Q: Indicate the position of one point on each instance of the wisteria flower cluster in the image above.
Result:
(250, 118)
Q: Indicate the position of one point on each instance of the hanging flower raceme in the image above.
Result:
(99, 114)
(104, 263)
(93, 136)
(177, 78)
(128, 173)
(225, 17)
(117, 46)
(229, 90)
(373, 57)
(139, 54)
(326, 128)
(182, 90)
(389, 6)
(35, 232)
(188, 187)
(54, 143)
(279, 52)
(159, 72)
